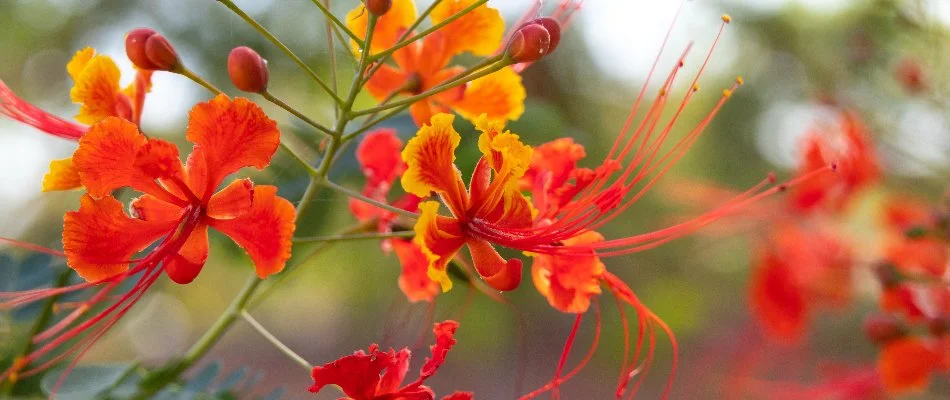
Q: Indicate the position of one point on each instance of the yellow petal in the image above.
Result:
(430, 158)
(62, 175)
(78, 63)
(389, 27)
(499, 95)
(479, 32)
(95, 90)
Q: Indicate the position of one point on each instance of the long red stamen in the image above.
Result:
(20, 110)
(32, 247)
(590, 354)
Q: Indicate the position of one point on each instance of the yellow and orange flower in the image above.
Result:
(424, 64)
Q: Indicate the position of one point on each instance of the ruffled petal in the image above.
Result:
(379, 157)
(414, 280)
(96, 88)
(77, 64)
(184, 266)
(478, 32)
(233, 201)
(106, 159)
(499, 95)
(497, 272)
(231, 134)
(439, 238)
(62, 175)
(444, 341)
(389, 27)
(430, 161)
(568, 282)
(359, 374)
(99, 239)
(265, 231)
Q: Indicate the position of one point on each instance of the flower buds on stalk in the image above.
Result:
(534, 40)
(378, 7)
(150, 50)
(248, 70)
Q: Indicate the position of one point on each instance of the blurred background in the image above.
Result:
(796, 57)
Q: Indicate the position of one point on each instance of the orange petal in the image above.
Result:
(99, 239)
(62, 175)
(79, 61)
(96, 88)
(906, 365)
(479, 32)
(158, 159)
(265, 232)
(430, 161)
(106, 158)
(439, 238)
(497, 272)
(184, 266)
(231, 134)
(777, 301)
(386, 81)
(151, 208)
(389, 27)
(233, 201)
(500, 95)
(568, 282)
(414, 280)
(423, 110)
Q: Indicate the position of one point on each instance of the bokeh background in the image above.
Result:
(794, 56)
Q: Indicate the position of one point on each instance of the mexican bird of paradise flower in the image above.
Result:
(424, 64)
(379, 158)
(378, 375)
(97, 90)
(178, 206)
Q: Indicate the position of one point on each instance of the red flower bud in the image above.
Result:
(883, 328)
(150, 50)
(248, 71)
(554, 29)
(534, 40)
(378, 7)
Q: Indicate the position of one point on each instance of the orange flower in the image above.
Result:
(97, 91)
(850, 147)
(906, 365)
(568, 282)
(378, 375)
(424, 64)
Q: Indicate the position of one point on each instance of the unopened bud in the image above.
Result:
(534, 40)
(378, 7)
(248, 70)
(883, 328)
(150, 50)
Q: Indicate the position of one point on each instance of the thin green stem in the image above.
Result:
(280, 103)
(199, 80)
(370, 123)
(293, 356)
(429, 31)
(378, 62)
(355, 237)
(501, 62)
(359, 196)
(273, 39)
(326, 11)
(213, 334)
(331, 52)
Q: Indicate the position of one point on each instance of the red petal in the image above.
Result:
(359, 374)
(495, 270)
(906, 365)
(151, 208)
(444, 340)
(184, 266)
(99, 239)
(379, 157)
(231, 134)
(233, 201)
(106, 159)
(777, 300)
(265, 231)
(414, 280)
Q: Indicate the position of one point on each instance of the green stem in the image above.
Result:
(429, 31)
(337, 22)
(370, 123)
(466, 77)
(355, 237)
(359, 196)
(213, 334)
(280, 103)
(273, 39)
(274, 341)
(331, 52)
(379, 61)
(199, 80)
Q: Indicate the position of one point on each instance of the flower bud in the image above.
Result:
(530, 43)
(554, 29)
(882, 328)
(150, 50)
(248, 71)
(378, 7)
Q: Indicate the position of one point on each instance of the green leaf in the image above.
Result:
(84, 381)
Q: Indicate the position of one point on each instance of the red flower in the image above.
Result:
(378, 375)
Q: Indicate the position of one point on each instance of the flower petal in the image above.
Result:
(497, 272)
(500, 95)
(444, 341)
(62, 175)
(906, 365)
(358, 374)
(99, 239)
(233, 201)
(265, 231)
(413, 280)
(153, 209)
(106, 159)
(439, 238)
(96, 87)
(184, 266)
(389, 27)
(430, 161)
(379, 157)
(479, 32)
(78, 63)
(231, 134)
(777, 300)
(568, 282)
(386, 81)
